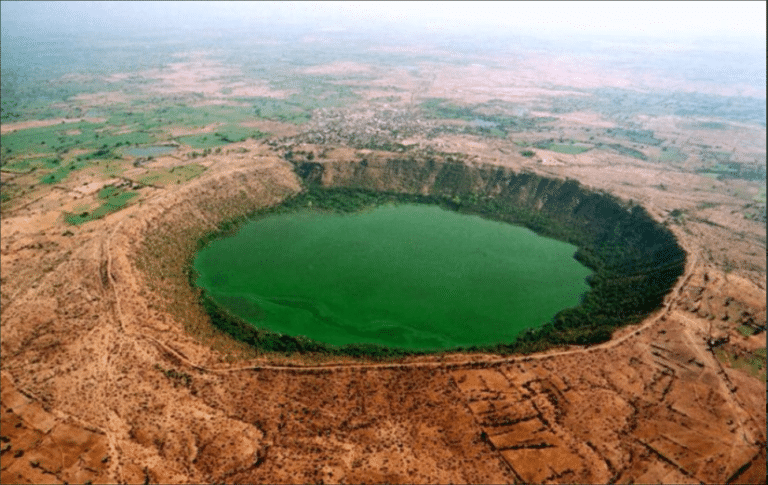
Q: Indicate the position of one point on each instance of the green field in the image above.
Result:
(62, 138)
(710, 175)
(708, 125)
(281, 110)
(568, 148)
(150, 151)
(45, 150)
(760, 197)
(174, 175)
(223, 135)
(718, 157)
(643, 137)
(28, 149)
(745, 330)
(631, 152)
(27, 165)
(113, 198)
(672, 155)
(313, 93)
(203, 115)
(753, 363)
(63, 171)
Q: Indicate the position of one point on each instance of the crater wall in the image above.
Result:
(636, 260)
(565, 200)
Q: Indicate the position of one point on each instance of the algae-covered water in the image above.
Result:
(410, 276)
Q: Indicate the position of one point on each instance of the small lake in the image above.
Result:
(150, 151)
(408, 275)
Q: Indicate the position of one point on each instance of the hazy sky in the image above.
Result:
(673, 19)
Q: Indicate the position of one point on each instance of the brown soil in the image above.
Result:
(104, 379)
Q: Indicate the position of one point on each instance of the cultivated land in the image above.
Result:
(112, 371)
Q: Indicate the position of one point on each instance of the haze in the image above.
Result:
(720, 41)
(663, 19)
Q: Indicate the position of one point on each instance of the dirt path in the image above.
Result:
(736, 405)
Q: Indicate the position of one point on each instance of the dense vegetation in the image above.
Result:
(635, 262)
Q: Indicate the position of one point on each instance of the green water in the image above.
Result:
(408, 275)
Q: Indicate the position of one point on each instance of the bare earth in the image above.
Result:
(112, 373)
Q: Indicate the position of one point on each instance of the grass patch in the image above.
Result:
(174, 175)
(672, 155)
(442, 108)
(725, 168)
(30, 164)
(730, 170)
(132, 120)
(746, 330)
(177, 114)
(709, 125)
(57, 138)
(494, 133)
(642, 137)
(204, 140)
(718, 157)
(567, 148)
(201, 116)
(235, 133)
(149, 151)
(752, 363)
(760, 197)
(62, 172)
(114, 199)
(386, 99)
(631, 152)
(112, 168)
(223, 135)
(710, 175)
(314, 93)
(282, 110)
(107, 192)
(7, 194)
(35, 140)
